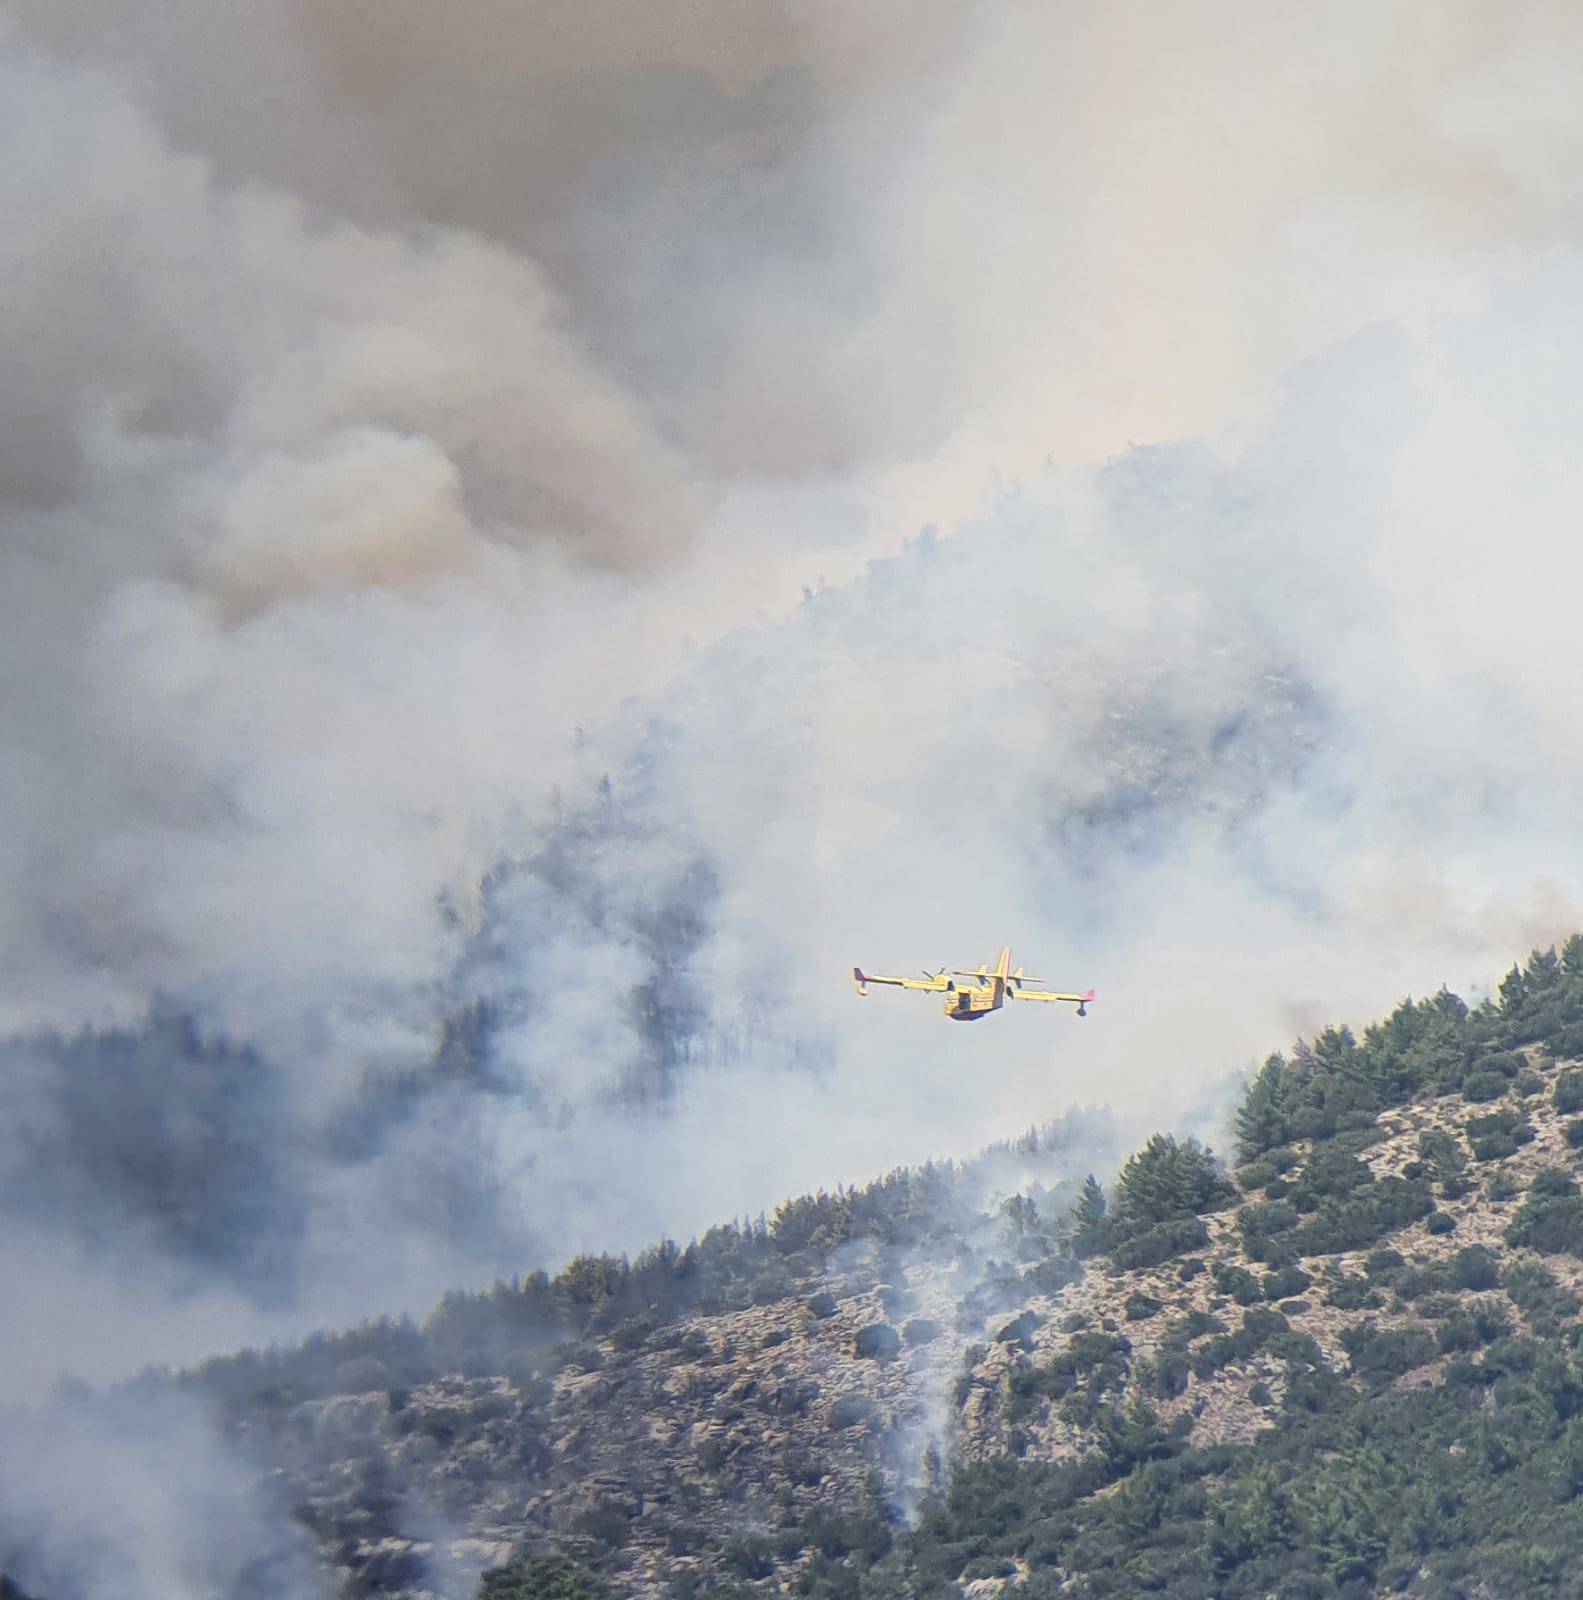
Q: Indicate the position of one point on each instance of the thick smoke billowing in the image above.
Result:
(437, 833)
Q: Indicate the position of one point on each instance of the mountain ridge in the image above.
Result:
(999, 1377)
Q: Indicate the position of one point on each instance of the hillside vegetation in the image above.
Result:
(1347, 1364)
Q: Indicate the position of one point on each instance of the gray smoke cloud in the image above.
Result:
(132, 1494)
(437, 832)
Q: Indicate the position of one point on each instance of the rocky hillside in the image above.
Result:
(710, 1447)
(1347, 1364)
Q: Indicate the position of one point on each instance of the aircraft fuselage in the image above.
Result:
(969, 1005)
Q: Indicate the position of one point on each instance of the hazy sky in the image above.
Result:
(413, 415)
(533, 537)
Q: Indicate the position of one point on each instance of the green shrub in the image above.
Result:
(1284, 1282)
(1381, 1266)
(1254, 1175)
(1091, 1364)
(1333, 1171)
(1140, 1306)
(1550, 1220)
(1416, 1282)
(1020, 1330)
(1165, 1376)
(685, 1538)
(1347, 1293)
(541, 1578)
(1536, 1293)
(1382, 1354)
(1470, 1270)
(849, 1411)
(632, 1334)
(864, 1534)
(1439, 1305)
(1053, 1274)
(822, 1304)
(1267, 1168)
(1363, 1217)
(1094, 1352)
(1442, 1152)
(1264, 1227)
(1483, 1086)
(1439, 1223)
(749, 1556)
(607, 1526)
(877, 1342)
(1238, 1284)
(988, 1567)
(1569, 1092)
(1262, 1330)
(1470, 1330)
(1164, 1242)
(1474, 1268)
(920, 1331)
(1498, 1134)
(1266, 1217)
(1192, 1324)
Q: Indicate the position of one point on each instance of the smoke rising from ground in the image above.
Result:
(414, 437)
(130, 1495)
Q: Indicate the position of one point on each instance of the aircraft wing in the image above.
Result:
(1079, 1000)
(937, 982)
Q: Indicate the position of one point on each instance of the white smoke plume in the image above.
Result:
(132, 1494)
(416, 428)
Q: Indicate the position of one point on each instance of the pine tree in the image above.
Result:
(1088, 1210)
(1543, 970)
(1090, 1230)
(1166, 1179)
(1261, 1122)
(1513, 992)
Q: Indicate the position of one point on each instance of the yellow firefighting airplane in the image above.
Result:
(985, 991)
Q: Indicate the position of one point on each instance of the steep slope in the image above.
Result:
(665, 1415)
(1348, 1367)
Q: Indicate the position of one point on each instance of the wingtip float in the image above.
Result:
(985, 990)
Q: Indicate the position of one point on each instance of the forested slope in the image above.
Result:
(1346, 1363)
